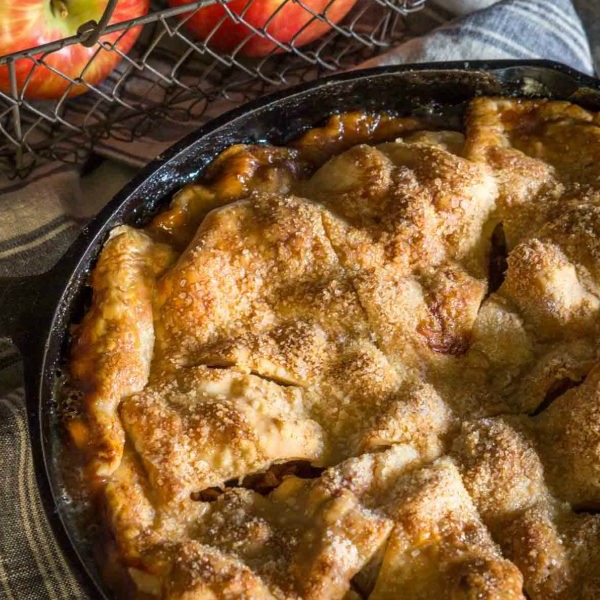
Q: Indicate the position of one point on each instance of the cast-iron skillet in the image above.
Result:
(35, 312)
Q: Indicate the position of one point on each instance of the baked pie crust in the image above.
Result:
(355, 368)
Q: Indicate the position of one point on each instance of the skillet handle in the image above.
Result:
(25, 310)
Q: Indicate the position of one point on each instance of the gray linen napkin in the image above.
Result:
(40, 217)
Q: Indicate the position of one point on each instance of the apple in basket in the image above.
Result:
(228, 26)
(26, 24)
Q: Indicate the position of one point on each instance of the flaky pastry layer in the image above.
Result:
(356, 367)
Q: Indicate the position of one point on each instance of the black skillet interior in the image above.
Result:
(36, 312)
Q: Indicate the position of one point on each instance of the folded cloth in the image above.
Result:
(504, 30)
(41, 216)
(589, 11)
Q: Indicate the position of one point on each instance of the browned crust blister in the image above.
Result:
(340, 303)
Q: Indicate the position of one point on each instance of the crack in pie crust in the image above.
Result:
(355, 368)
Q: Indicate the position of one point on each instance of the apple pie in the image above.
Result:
(364, 365)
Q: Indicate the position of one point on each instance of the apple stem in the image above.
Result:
(59, 7)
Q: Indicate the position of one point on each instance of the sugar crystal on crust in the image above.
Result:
(358, 368)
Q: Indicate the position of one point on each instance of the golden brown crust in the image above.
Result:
(569, 433)
(112, 348)
(414, 321)
(439, 548)
(212, 425)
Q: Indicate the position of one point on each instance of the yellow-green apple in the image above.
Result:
(283, 20)
(28, 23)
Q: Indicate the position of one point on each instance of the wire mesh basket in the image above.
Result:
(173, 76)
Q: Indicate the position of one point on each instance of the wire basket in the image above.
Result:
(172, 78)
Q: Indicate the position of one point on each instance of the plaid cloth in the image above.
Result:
(40, 218)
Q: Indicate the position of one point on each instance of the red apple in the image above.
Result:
(284, 20)
(29, 23)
